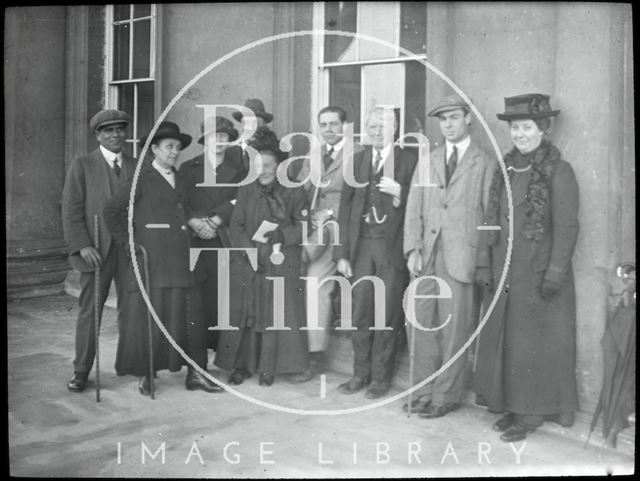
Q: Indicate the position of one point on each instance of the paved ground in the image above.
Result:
(194, 434)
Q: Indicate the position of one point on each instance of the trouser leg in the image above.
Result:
(363, 310)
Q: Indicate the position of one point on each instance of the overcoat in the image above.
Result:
(252, 299)
(526, 355)
(86, 191)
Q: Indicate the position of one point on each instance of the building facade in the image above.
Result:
(62, 64)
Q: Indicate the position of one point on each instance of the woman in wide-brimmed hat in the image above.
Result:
(254, 347)
(160, 215)
(527, 351)
(212, 206)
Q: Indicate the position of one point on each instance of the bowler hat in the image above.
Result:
(222, 125)
(527, 106)
(108, 117)
(450, 102)
(258, 110)
(168, 130)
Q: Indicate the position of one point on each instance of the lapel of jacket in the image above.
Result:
(99, 173)
(437, 161)
(162, 182)
(468, 160)
(335, 163)
(363, 169)
(519, 189)
(128, 166)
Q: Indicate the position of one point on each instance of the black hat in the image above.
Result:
(168, 130)
(258, 110)
(222, 125)
(527, 106)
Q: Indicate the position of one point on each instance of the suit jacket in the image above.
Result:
(352, 206)
(210, 201)
(86, 191)
(156, 202)
(454, 212)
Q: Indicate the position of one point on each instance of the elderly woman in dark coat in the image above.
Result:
(160, 216)
(254, 347)
(527, 350)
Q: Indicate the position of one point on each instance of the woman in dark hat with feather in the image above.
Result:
(160, 215)
(527, 350)
(254, 347)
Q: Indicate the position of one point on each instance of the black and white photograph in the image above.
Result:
(320, 239)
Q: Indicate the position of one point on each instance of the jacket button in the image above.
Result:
(444, 206)
(441, 186)
(183, 227)
(433, 231)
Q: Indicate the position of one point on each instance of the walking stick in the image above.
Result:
(145, 264)
(96, 304)
(412, 350)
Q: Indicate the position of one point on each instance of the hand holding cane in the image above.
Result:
(145, 263)
(96, 303)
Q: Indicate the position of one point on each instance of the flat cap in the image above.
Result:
(109, 117)
(450, 102)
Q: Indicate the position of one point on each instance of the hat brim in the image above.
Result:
(438, 110)
(541, 115)
(107, 123)
(232, 133)
(184, 139)
(264, 115)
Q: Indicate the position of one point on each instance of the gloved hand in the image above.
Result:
(549, 290)
(275, 236)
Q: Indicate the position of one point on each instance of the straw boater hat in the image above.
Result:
(527, 106)
(168, 130)
(258, 110)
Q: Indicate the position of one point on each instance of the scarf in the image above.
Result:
(543, 163)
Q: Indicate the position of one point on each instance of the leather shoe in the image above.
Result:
(353, 385)
(377, 390)
(195, 380)
(304, 376)
(417, 406)
(78, 382)
(266, 379)
(238, 376)
(517, 432)
(437, 411)
(504, 423)
(144, 385)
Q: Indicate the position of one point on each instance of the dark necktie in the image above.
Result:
(116, 167)
(452, 163)
(377, 160)
(327, 159)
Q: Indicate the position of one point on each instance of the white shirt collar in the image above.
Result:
(462, 147)
(166, 173)
(386, 150)
(110, 156)
(337, 146)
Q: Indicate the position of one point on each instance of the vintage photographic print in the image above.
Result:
(320, 239)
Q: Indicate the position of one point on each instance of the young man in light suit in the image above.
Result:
(441, 239)
(325, 203)
(90, 182)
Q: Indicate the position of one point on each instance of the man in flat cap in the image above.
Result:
(441, 240)
(90, 182)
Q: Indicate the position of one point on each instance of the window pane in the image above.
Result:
(145, 109)
(413, 26)
(141, 10)
(121, 51)
(340, 16)
(141, 48)
(379, 20)
(121, 12)
(414, 106)
(125, 102)
(344, 88)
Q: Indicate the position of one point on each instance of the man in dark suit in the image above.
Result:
(213, 206)
(370, 218)
(90, 182)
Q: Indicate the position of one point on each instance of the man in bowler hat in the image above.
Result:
(90, 182)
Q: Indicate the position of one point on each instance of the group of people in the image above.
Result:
(380, 227)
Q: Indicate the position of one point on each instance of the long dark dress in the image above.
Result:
(527, 350)
(171, 286)
(253, 346)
